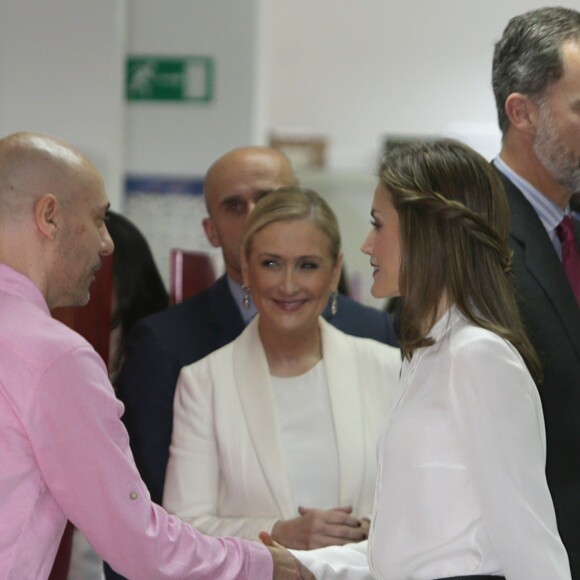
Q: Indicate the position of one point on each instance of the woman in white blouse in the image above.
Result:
(277, 431)
(461, 489)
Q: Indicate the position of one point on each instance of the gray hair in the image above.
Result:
(527, 59)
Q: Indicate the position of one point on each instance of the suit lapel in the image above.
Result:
(259, 408)
(345, 400)
(577, 233)
(542, 262)
(224, 314)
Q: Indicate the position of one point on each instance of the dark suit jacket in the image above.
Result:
(552, 318)
(161, 344)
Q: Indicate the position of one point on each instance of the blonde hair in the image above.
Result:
(290, 204)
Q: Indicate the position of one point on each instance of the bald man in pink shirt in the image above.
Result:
(65, 453)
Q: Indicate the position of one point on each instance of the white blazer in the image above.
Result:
(226, 473)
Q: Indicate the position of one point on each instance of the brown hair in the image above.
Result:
(454, 228)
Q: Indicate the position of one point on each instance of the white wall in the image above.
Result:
(355, 70)
(61, 73)
(181, 140)
(185, 138)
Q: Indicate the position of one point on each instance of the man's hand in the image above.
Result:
(286, 566)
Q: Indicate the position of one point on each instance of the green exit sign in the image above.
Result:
(153, 78)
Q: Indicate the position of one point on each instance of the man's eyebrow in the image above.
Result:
(231, 199)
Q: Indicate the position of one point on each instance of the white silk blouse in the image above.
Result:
(461, 488)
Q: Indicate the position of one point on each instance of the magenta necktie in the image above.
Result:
(570, 257)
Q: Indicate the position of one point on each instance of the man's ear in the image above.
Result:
(211, 232)
(47, 214)
(522, 113)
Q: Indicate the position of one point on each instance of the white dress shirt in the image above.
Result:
(461, 487)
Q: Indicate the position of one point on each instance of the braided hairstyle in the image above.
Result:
(454, 228)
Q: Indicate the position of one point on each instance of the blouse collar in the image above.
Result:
(444, 325)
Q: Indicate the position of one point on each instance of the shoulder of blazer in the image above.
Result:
(524, 221)
(248, 341)
(213, 307)
(345, 349)
(194, 328)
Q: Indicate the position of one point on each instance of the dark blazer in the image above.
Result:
(163, 343)
(552, 318)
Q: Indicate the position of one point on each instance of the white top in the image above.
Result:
(312, 469)
(461, 487)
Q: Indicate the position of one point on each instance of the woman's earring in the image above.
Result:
(334, 303)
(245, 296)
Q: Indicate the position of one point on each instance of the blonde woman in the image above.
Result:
(277, 431)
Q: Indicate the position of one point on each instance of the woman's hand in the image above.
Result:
(365, 525)
(315, 528)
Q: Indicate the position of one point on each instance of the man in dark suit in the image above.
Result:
(162, 344)
(536, 81)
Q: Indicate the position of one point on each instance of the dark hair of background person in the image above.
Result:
(528, 58)
(138, 286)
(454, 227)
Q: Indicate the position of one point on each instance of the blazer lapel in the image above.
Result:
(542, 261)
(347, 410)
(576, 223)
(259, 408)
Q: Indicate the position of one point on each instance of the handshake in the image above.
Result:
(286, 566)
(313, 528)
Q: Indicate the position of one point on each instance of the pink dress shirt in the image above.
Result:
(65, 454)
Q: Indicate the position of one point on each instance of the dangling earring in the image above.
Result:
(245, 297)
(334, 303)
